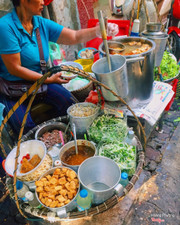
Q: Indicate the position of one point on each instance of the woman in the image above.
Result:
(20, 58)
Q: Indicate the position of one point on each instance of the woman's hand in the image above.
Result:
(56, 78)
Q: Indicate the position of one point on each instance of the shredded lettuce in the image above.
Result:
(122, 153)
(169, 67)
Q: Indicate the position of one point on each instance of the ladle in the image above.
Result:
(104, 37)
(75, 139)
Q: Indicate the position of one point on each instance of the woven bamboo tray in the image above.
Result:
(27, 211)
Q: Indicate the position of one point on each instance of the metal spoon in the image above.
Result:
(75, 139)
(104, 37)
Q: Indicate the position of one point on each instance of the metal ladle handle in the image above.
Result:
(75, 139)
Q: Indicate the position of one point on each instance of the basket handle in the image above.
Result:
(33, 90)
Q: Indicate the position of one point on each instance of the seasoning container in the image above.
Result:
(124, 179)
(21, 190)
(57, 162)
(130, 138)
(83, 200)
(32, 200)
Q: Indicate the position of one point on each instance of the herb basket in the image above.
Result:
(37, 214)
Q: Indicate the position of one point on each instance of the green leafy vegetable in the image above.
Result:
(122, 153)
(169, 67)
(108, 129)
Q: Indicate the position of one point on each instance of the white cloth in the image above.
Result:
(112, 29)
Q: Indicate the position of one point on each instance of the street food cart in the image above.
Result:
(129, 97)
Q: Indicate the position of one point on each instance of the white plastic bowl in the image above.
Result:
(70, 75)
(31, 147)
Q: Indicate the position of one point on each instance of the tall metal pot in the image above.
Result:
(140, 70)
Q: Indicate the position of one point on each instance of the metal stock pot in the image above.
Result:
(140, 70)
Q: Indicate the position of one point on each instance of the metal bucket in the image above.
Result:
(82, 123)
(140, 71)
(160, 40)
(100, 176)
(115, 80)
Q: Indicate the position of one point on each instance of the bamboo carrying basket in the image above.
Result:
(39, 214)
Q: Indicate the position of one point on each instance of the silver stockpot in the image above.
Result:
(140, 70)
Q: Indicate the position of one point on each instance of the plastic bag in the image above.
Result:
(57, 55)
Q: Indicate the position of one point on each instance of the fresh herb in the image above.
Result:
(122, 153)
(107, 128)
(169, 67)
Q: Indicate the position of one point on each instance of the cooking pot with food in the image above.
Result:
(68, 156)
(140, 59)
(82, 115)
(57, 190)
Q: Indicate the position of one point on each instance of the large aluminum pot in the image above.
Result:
(140, 70)
(100, 176)
(115, 80)
(160, 39)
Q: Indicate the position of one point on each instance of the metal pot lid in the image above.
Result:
(148, 33)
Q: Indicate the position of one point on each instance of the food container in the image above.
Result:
(70, 75)
(86, 53)
(153, 27)
(30, 147)
(100, 176)
(65, 149)
(115, 80)
(160, 39)
(61, 211)
(82, 123)
(49, 127)
(140, 70)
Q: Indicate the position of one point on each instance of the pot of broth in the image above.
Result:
(68, 156)
(140, 58)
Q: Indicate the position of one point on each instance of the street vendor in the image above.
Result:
(19, 54)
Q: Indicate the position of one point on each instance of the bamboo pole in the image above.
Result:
(132, 15)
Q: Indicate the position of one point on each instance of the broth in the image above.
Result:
(131, 48)
(69, 157)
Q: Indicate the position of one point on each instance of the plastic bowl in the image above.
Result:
(86, 49)
(70, 75)
(30, 147)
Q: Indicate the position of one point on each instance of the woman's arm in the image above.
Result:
(14, 67)
(72, 37)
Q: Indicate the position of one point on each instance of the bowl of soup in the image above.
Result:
(68, 156)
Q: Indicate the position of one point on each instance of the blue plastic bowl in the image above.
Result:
(84, 49)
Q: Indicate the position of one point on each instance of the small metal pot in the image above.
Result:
(153, 27)
(70, 144)
(100, 176)
(61, 211)
(82, 123)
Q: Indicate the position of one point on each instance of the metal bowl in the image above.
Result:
(61, 211)
(50, 126)
(70, 144)
(153, 27)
